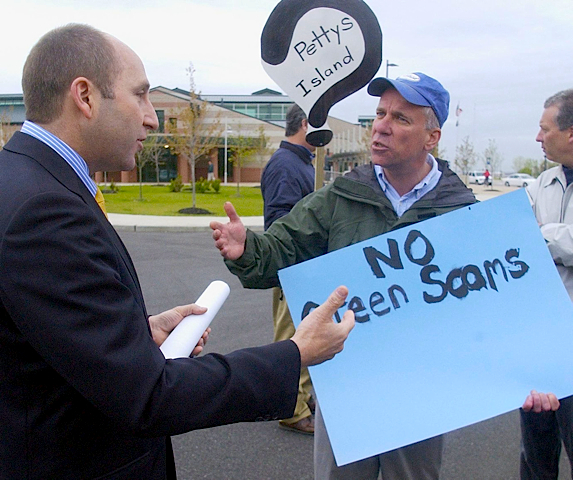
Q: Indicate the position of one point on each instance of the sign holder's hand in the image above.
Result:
(230, 237)
(540, 402)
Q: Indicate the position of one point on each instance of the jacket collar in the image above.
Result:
(52, 162)
(362, 183)
(302, 152)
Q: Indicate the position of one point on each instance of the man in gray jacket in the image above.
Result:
(552, 200)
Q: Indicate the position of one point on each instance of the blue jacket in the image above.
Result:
(287, 178)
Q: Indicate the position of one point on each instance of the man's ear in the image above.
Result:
(82, 93)
(433, 139)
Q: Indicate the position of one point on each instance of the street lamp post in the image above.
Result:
(225, 151)
(227, 131)
(388, 65)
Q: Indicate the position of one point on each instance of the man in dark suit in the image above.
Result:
(86, 393)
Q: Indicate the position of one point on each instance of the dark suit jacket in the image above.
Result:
(85, 392)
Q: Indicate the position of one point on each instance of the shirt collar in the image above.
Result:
(429, 178)
(72, 158)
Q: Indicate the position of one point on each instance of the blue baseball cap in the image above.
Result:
(418, 89)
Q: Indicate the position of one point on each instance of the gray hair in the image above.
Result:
(294, 117)
(564, 102)
(61, 56)
(431, 119)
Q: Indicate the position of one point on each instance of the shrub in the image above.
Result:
(216, 185)
(201, 185)
(176, 184)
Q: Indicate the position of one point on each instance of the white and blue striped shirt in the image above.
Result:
(74, 160)
(402, 203)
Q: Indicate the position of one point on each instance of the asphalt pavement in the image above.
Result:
(174, 268)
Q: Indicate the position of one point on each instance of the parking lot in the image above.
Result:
(485, 192)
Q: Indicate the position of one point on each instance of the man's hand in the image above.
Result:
(318, 337)
(230, 238)
(164, 323)
(540, 402)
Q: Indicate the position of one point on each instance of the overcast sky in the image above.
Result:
(499, 59)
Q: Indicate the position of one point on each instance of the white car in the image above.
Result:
(518, 180)
(476, 177)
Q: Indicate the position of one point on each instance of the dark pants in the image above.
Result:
(541, 436)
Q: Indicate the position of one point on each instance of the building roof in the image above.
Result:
(262, 96)
(12, 108)
(267, 91)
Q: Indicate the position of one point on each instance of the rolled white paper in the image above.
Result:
(184, 337)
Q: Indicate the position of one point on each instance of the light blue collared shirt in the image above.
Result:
(404, 202)
(74, 160)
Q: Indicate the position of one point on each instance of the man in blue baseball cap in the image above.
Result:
(418, 89)
(402, 185)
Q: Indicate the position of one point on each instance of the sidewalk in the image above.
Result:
(150, 223)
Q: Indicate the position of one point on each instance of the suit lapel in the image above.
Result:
(54, 164)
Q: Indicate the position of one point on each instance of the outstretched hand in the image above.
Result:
(540, 402)
(164, 323)
(318, 337)
(230, 237)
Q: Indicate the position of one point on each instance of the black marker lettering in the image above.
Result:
(376, 299)
(490, 267)
(357, 307)
(523, 267)
(391, 292)
(428, 280)
(302, 49)
(428, 256)
(479, 281)
(372, 256)
(462, 290)
(347, 23)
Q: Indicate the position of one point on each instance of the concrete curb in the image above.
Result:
(151, 223)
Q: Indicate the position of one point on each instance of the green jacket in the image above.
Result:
(352, 209)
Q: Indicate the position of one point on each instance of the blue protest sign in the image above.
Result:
(450, 313)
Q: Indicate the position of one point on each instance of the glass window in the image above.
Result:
(161, 118)
(250, 110)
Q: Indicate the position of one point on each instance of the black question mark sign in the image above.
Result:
(320, 52)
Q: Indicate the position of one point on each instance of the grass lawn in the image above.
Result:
(158, 200)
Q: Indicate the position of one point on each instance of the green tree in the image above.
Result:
(492, 157)
(197, 132)
(264, 152)
(531, 166)
(244, 147)
(465, 156)
(154, 148)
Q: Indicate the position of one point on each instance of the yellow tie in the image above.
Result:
(100, 201)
